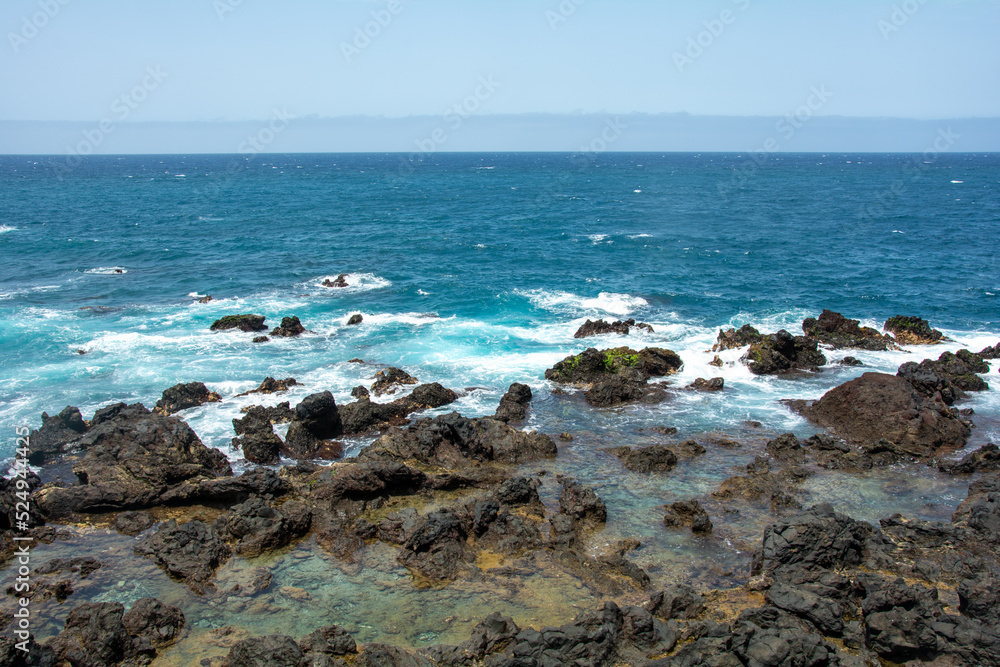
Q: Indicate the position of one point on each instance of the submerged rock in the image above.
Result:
(687, 513)
(984, 459)
(190, 552)
(242, 322)
(184, 396)
(655, 458)
(839, 332)
(910, 330)
(876, 407)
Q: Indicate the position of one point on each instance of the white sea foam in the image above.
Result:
(107, 270)
(7, 228)
(356, 282)
(195, 295)
(605, 302)
(640, 236)
(597, 238)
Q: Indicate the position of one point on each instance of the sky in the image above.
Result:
(241, 60)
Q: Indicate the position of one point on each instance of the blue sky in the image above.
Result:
(232, 60)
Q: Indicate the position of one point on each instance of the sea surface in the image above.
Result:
(475, 270)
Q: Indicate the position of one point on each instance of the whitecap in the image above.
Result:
(422, 293)
(640, 236)
(7, 228)
(195, 295)
(597, 238)
(107, 270)
(637, 191)
(605, 302)
(356, 282)
(958, 181)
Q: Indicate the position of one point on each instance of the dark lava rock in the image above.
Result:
(600, 327)
(184, 396)
(133, 523)
(839, 332)
(290, 327)
(761, 484)
(388, 380)
(492, 634)
(786, 448)
(851, 361)
(355, 319)
(912, 330)
(689, 449)
(83, 565)
(615, 391)
(990, 352)
(984, 459)
(980, 598)
(514, 404)
(951, 375)
(360, 392)
(241, 322)
(266, 651)
(816, 538)
(339, 281)
(676, 602)
(454, 441)
(373, 480)
(258, 442)
(272, 386)
(150, 619)
(229, 490)
(48, 441)
(581, 504)
(190, 552)
(436, 549)
(592, 366)
(781, 352)
(94, 636)
(655, 458)
(876, 407)
(364, 415)
(383, 655)
(317, 420)
(701, 384)
(687, 513)
(257, 527)
(732, 339)
(332, 640)
(260, 339)
(133, 461)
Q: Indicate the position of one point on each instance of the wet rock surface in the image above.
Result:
(514, 404)
(910, 330)
(615, 376)
(600, 327)
(837, 331)
(246, 323)
(184, 396)
(781, 352)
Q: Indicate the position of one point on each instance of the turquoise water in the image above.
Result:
(475, 271)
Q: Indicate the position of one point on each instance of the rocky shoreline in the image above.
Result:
(456, 500)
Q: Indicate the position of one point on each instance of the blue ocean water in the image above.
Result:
(475, 270)
(470, 269)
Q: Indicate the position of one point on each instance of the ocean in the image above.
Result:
(475, 270)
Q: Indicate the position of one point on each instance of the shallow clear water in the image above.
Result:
(475, 271)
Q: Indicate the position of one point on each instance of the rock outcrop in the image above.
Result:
(246, 323)
(838, 331)
(781, 352)
(909, 330)
(183, 396)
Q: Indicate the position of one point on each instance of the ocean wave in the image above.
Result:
(606, 302)
(597, 238)
(640, 236)
(7, 228)
(356, 282)
(107, 271)
(414, 319)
